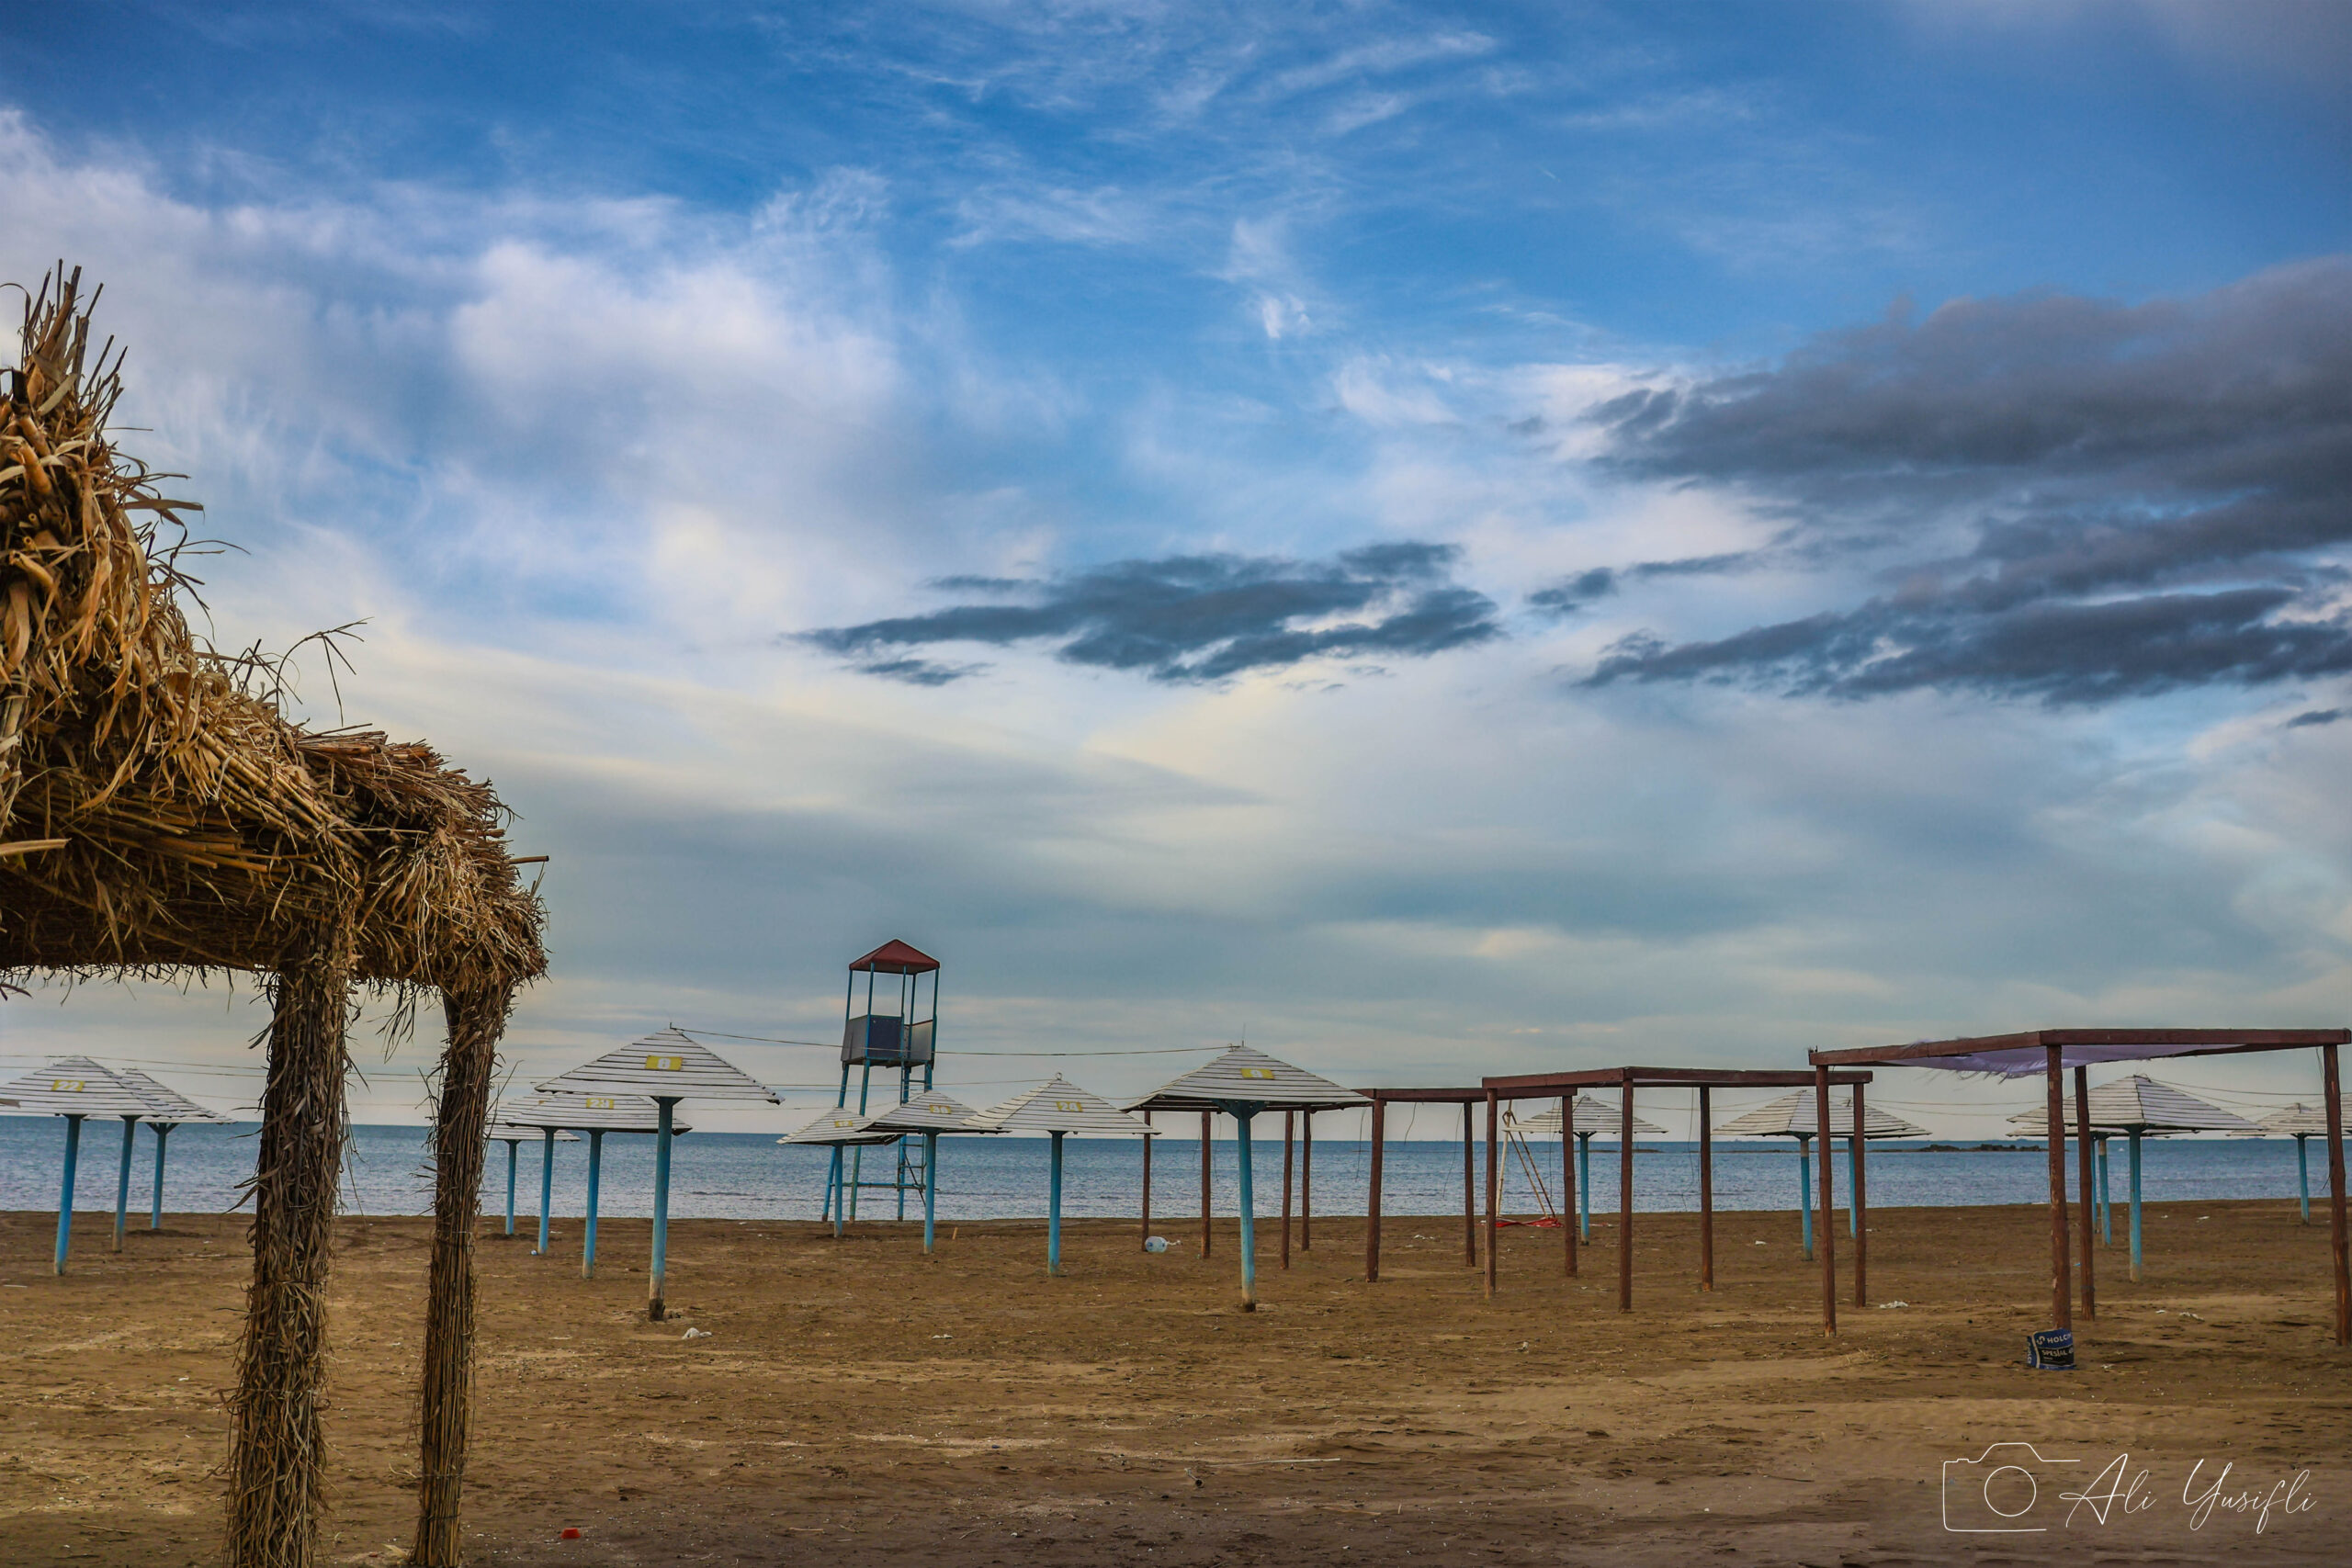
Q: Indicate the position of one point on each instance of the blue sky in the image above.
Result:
(1441, 539)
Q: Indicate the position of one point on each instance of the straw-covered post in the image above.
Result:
(276, 1444)
(476, 1019)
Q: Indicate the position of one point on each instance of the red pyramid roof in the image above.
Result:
(894, 957)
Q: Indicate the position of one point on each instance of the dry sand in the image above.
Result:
(855, 1403)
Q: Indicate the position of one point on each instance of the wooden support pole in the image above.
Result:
(1706, 1191)
(2085, 1185)
(475, 1019)
(1371, 1197)
(1494, 1187)
(1287, 1132)
(2062, 1290)
(1206, 1237)
(1147, 1183)
(276, 1447)
(1568, 1183)
(1625, 1198)
(2336, 1193)
(1469, 1191)
(1829, 1238)
(1307, 1181)
(1861, 1208)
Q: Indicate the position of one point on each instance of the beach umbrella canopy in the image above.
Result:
(1058, 1108)
(2140, 1102)
(173, 1109)
(2136, 1107)
(667, 1066)
(553, 1116)
(1798, 1115)
(73, 1088)
(1593, 1118)
(1241, 1076)
(929, 1115)
(1242, 1082)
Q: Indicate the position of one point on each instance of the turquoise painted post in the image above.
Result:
(65, 1202)
(2303, 1173)
(1054, 1210)
(1584, 1186)
(511, 1144)
(656, 1274)
(162, 1130)
(546, 1184)
(930, 1187)
(1805, 1189)
(595, 1172)
(1249, 1217)
(2134, 1136)
(1853, 1220)
(122, 1178)
(833, 1190)
(2106, 1204)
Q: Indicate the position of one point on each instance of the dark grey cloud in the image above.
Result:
(2312, 718)
(1571, 595)
(1198, 617)
(2059, 496)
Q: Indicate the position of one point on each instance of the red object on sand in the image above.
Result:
(571, 1532)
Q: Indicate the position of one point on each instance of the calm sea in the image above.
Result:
(743, 1176)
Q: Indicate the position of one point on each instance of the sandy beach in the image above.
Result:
(855, 1403)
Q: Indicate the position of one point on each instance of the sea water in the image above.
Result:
(748, 1176)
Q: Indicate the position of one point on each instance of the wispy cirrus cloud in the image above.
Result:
(1194, 617)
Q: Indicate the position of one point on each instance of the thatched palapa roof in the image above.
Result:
(158, 810)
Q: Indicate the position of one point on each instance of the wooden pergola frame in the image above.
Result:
(1544, 1085)
(1465, 1097)
(2079, 1048)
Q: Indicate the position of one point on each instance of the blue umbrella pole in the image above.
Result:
(162, 1130)
(1584, 1186)
(833, 1190)
(930, 1187)
(1249, 1221)
(2135, 1205)
(546, 1184)
(1054, 1210)
(2303, 1173)
(510, 1184)
(2106, 1204)
(66, 1200)
(659, 1272)
(1804, 1190)
(596, 1171)
(122, 1178)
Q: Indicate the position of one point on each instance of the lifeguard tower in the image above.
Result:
(893, 1028)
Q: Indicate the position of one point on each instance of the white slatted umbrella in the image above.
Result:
(514, 1136)
(173, 1110)
(1058, 1107)
(557, 1116)
(2301, 1122)
(1797, 1115)
(1592, 1119)
(2137, 1107)
(73, 1088)
(929, 1115)
(1241, 1083)
(667, 1066)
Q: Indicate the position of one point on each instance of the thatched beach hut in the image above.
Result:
(161, 817)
